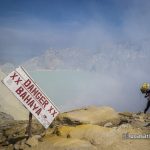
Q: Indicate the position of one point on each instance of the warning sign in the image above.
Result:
(32, 97)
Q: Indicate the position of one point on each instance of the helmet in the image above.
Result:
(145, 87)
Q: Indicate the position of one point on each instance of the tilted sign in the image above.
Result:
(32, 97)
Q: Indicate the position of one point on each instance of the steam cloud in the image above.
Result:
(120, 51)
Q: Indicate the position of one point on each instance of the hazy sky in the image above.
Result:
(118, 29)
(29, 27)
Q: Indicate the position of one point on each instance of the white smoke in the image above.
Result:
(118, 54)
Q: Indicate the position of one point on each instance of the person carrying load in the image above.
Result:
(145, 89)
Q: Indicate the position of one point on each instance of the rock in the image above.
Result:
(38, 137)
(125, 126)
(49, 131)
(22, 144)
(93, 133)
(127, 114)
(60, 143)
(147, 124)
(102, 137)
(17, 146)
(141, 118)
(6, 143)
(63, 131)
(135, 116)
(138, 113)
(91, 115)
(137, 123)
(10, 147)
(4, 116)
(124, 120)
(15, 130)
(109, 124)
(44, 133)
(32, 141)
(2, 138)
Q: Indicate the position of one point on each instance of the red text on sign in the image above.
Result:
(28, 100)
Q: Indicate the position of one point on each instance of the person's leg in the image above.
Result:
(147, 107)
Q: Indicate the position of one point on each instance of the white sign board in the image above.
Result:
(32, 97)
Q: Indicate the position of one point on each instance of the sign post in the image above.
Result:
(32, 97)
(30, 125)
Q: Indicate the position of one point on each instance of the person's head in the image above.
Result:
(145, 88)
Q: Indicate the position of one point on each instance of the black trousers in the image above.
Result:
(147, 107)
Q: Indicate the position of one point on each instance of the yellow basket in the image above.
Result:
(145, 87)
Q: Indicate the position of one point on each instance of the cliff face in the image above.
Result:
(92, 128)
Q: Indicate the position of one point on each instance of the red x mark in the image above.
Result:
(54, 112)
(13, 76)
(50, 111)
(19, 80)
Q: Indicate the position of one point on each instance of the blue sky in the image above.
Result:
(59, 11)
(28, 28)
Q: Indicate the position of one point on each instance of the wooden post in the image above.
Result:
(30, 125)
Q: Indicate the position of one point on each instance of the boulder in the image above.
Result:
(90, 115)
(32, 141)
(60, 143)
(93, 133)
(105, 138)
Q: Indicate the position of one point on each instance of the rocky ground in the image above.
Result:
(92, 128)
